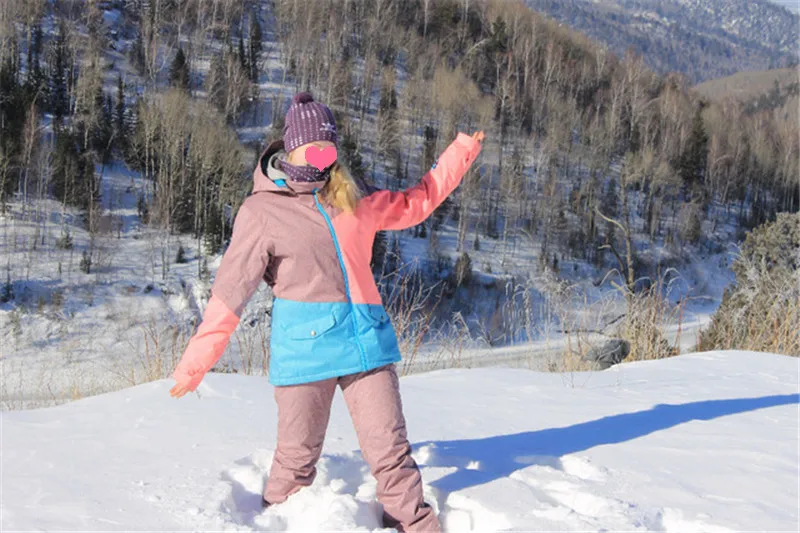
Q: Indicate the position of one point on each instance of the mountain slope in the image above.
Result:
(748, 85)
(703, 39)
(698, 442)
(791, 5)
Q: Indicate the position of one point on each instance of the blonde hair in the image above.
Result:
(342, 191)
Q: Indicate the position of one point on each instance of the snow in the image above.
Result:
(699, 442)
(791, 5)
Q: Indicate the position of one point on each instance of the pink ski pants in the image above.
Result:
(373, 399)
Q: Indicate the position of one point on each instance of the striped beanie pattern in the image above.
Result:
(308, 121)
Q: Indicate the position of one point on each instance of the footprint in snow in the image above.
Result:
(342, 497)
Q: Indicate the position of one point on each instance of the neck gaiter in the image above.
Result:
(304, 173)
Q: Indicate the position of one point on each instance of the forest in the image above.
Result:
(590, 158)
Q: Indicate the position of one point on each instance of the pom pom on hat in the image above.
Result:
(302, 98)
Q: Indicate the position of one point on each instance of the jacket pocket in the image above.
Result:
(311, 329)
(378, 315)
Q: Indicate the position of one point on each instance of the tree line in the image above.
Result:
(590, 153)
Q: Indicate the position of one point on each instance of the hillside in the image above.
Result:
(606, 203)
(791, 5)
(703, 39)
(744, 86)
(704, 442)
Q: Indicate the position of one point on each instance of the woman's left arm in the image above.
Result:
(396, 210)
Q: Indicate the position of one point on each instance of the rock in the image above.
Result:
(609, 353)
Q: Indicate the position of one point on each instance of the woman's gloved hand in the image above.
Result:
(182, 388)
(205, 347)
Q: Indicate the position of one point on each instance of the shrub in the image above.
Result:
(761, 310)
(463, 270)
(180, 257)
(143, 210)
(7, 294)
(205, 274)
(65, 241)
(379, 248)
(57, 299)
(86, 262)
(690, 223)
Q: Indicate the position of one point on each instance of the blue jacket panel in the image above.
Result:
(315, 341)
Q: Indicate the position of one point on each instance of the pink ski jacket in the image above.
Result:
(327, 318)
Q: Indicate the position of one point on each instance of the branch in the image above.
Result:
(616, 254)
(611, 221)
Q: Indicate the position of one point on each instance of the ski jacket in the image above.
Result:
(327, 317)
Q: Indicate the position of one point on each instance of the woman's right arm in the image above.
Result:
(239, 274)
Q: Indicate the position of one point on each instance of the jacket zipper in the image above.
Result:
(344, 275)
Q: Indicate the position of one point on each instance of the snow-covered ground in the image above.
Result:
(699, 442)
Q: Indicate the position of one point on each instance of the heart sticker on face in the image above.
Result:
(321, 157)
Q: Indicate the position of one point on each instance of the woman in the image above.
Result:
(307, 230)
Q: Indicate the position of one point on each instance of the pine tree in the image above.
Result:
(388, 98)
(119, 117)
(86, 262)
(183, 213)
(213, 231)
(143, 210)
(179, 71)
(380, 246)
(136, 55)
(180, 257)
(692, 165)
(59, 101)
(428, 147)
(242, 55)
(36, 79)
(13, 105)
(255, 43)
(74, 181)
(388, 141)
(89, 192)
(134, 157)
(101, 130)
(352, 158)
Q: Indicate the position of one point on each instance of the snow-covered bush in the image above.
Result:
(761, 311)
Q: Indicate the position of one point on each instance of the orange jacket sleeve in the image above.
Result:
(238, 276)
(403, 209)
(207, 345)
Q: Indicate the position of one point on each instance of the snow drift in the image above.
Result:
(700, 442)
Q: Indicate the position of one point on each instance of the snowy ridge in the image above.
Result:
(703, 39)
(700, 442)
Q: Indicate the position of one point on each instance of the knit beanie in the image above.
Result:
(308, 121)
